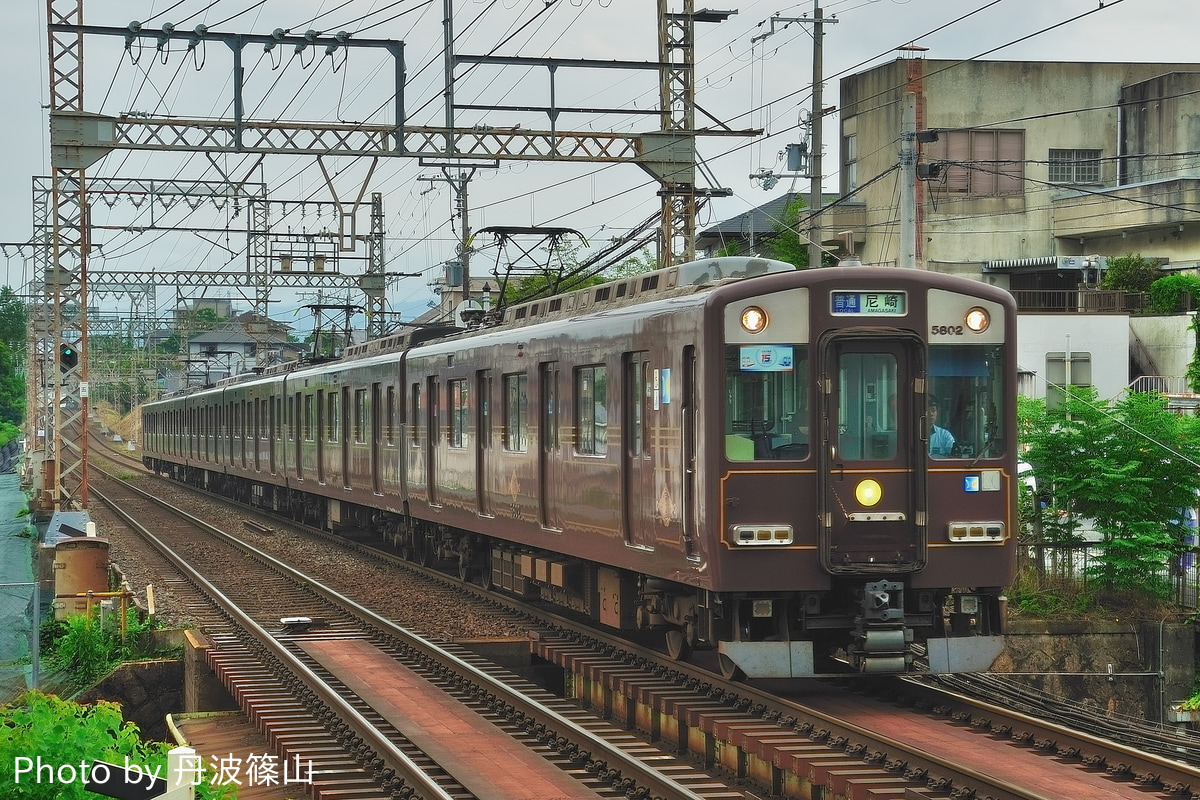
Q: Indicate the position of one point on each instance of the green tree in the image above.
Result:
(789, 244)
(13, 320)
(13, 335)
(1127, 470)
(1131, 273)
(561, 273)
(636, 264)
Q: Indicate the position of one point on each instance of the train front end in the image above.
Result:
(867, 484)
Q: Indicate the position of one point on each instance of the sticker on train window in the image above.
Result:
(766, 358)
(888, 304)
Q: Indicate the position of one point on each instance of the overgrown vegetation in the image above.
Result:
(61, 733)
(1166, 295)
(85, 649)
(1112, 483)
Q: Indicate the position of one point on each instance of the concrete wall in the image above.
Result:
(1104, 336)
(1166, 340)
(1072, 660)
(959, 95)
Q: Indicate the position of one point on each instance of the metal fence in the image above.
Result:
(1090, 301)
(1055, 564)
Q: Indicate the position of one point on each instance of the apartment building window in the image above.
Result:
(980, 163)
(850, 169)
(1062, 369)
(1074, 166)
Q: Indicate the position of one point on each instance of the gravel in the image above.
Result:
(406, 598)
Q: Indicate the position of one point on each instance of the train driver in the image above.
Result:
(941, 441)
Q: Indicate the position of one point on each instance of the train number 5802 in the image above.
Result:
(947, 330)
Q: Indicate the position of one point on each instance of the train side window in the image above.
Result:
(483, 403)
(591, 410)
(310, 416)
(457, 391)
(766, 402)
(516, 409)
(549, 423)
(360, 415)
(332, 431)
(390, 426)
(414, 414)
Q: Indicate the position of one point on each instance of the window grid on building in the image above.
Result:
(1074, 166)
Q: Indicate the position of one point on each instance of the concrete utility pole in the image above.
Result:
(458, 182)
(908, 182)
(818, 119)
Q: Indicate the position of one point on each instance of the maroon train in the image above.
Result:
(805, 469)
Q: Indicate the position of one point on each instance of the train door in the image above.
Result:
(376, 439)
(432, 438)
(638, 472)
(873, 493)
(690, 421)
(483, 441)
(347, 433)
(320, 435)
(549, 457)
(257, 434)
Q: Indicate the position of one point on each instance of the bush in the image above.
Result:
(1166, 292)
(1130, 273)
(87, 649)
(61, 732)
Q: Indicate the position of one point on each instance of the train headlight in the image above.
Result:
(754, 319)
(978, 319)
(868, 492)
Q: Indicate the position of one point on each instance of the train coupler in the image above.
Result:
(882, 643)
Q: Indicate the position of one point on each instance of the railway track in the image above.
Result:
(291, 682)
(782, 741)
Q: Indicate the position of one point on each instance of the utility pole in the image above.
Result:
(908, 182)
(458, 182)
(818, 120)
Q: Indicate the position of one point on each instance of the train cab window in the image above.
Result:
(867, 401)
(516, 408)
(457, 391)
(591, 410)
(766, 402)
(966, 386)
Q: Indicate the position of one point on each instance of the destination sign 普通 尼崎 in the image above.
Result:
(890, 304)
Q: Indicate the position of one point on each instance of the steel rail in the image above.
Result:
(628, 766)
(393, 757)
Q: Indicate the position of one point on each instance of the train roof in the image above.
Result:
(681, 279)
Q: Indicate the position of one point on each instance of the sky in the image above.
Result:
(746, 76)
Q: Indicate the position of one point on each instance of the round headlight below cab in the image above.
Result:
(977, 319)
(868, 492)
(754, 319)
